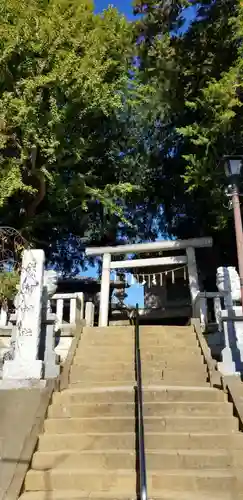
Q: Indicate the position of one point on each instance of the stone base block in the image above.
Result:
(52, 370)
(9, 384)
(22, 369)
(227, 368)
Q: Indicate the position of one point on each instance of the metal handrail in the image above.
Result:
(139, 411)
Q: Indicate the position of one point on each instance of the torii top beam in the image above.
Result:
(151, 247)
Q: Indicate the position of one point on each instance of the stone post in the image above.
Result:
(73, 313)
(89, 314)
(26, 364)
(4, 314)
(193, 280)
(203, 313)
(79, 309)
(105, 290)
(81, 304)
(59, 311)
(218, 312)
(232, 353)
(76, 308)
(51, 367)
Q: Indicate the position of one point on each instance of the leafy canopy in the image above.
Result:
(65, 74)
(196, 72)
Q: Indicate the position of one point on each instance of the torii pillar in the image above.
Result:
(105, 290)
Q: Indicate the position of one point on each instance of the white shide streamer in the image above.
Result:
(153, 279)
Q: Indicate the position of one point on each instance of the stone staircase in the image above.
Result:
(194, 449)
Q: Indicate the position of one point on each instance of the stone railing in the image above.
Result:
(3, 315)
(63, 331)
(35, 329)
(225, 339)
(201, 309)
(213, 374)
(74, 302)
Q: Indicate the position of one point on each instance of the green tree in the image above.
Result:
(197, 74)
(65, 93)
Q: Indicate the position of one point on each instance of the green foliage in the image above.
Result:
(8, 283)
(220, 106)
(93, 147)
(64, 85)
(197, 114)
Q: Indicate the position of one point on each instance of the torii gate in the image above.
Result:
(188, 258)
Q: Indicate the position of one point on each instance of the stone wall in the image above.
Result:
(62, 342)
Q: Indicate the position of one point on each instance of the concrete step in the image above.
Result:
(145, 340)
(127, 348)
(99, 460)
(211, 481)
(114, 342)
(129, 340)
(90, 441)
(182, 393)
(156, 363)
(158, 394)
(95, 424)
(84, 495)
(124, 355)
(148, 358)
(122, 481)
(147, 367)
(94, 374)
(183, 369)
(200, 495)
(153, 441)
(120, 382)
(101, 330)
(73, 396)
(144, 329)
(168, 328)
(160, 495)
(91, 410)
(201, 382)
(167, 377)
(102, 384)
(150, 409)
(93, 353)
(177, 374)
(92, 480)
(126, 460)
(196, 363)
(151, 424)
(160, 382)
(104, 358)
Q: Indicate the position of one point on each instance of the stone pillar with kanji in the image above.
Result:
(25, 363)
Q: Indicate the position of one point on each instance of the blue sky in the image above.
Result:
(125, 6)
(135, 292)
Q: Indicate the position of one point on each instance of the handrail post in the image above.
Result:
(139, 402)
